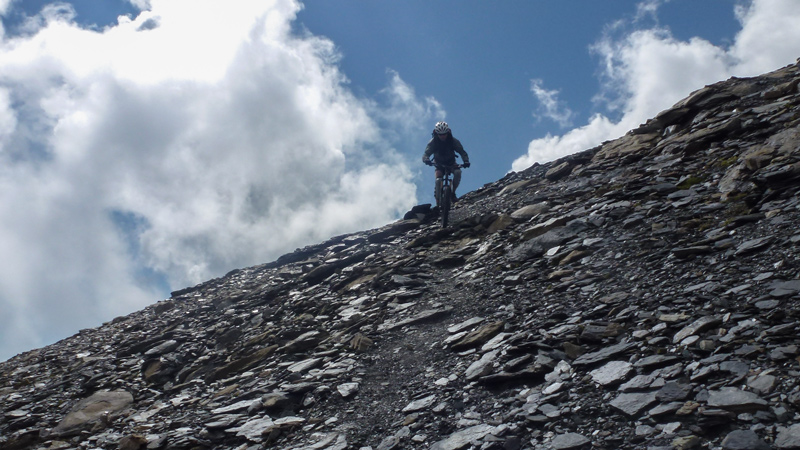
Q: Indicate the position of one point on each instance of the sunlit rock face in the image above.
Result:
(641, 294)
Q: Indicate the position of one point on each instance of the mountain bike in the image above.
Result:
(444, 196)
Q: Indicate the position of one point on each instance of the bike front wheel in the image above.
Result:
(444, 205)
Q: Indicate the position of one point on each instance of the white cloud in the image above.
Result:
(8, 119)
(648, 9)
(769, 38)
(4, 6)
(576, 140)
(141, 4)
(188, 141)
(550, 107)
(648, 70)
(404, 107)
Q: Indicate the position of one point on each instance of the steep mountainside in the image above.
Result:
(639, 295)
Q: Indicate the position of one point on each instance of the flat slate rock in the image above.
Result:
(569, 441)
(788, 438)
(612, 372)
(427, 315)
(92, 412)
(695, 327)
(737, 400)
(461, 439)
(744, 440)
(604, 354)
(634, 403)
(673, 391)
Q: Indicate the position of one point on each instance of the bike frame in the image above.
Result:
(444, 191)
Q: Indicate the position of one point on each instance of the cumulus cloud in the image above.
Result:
(172, 147)
(647, 70)
(402, 106)
(141, 4)
(648, 9)
(549, 105)
(769, 37)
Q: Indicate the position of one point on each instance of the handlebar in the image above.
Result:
(453, 167)
(447, 168)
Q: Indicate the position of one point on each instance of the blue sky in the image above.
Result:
(478, 58)
(149, 145)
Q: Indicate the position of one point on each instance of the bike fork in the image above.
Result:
(437, 191)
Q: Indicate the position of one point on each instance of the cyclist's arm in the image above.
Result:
(460, 150)
(426, 157)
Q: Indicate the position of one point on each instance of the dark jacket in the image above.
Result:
(444, 152)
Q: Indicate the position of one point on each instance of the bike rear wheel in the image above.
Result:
(444, 204)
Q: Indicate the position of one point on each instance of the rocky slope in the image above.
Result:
(639, 295)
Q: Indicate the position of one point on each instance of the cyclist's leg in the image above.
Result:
(445, 206)
(456, 180)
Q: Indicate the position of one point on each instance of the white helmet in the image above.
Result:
(441, 128)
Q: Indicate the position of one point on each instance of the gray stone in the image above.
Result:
(424, 316)
(753, 246)
(673, 391)
(526, 212)
(94, 412)
(163, 348)
(538, 245)
(330, 441)
(604, 354)
(479, 336)
(253, 428)
(763, 384)
(421, 404)
(612, 372)
(686, 252)
(785, 289)
(235, 407)
(684, 443)
(653, 361)
(389, 443)
(387, 232)
(464, 325)
(482, 366)
(738, 368)
(347, 389)
(559, 171)
(569, 441)
(737, 400)
(289, 422)
(463, 438)
(224, 421)
(305, 365)
(634, 403)
(637, 383)
(666, 408)
(305, 341)
(768, 304)
(275, 400)
(743, 440)
(788, 438)
(696, 327)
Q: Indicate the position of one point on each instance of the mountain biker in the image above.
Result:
(443, 147)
